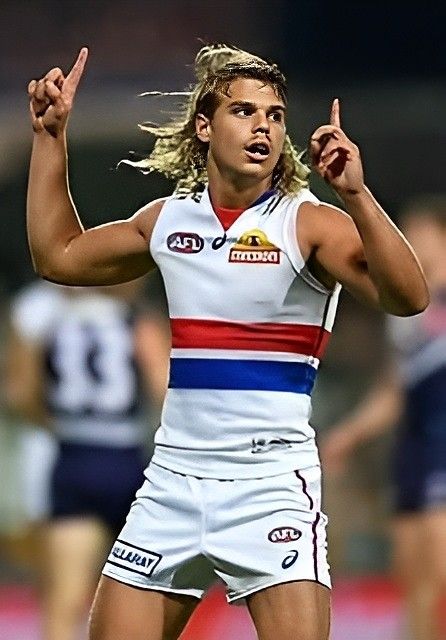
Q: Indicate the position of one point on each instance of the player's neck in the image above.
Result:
(236, 194)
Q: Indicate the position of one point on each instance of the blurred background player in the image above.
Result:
(81, 363)
(411, 392)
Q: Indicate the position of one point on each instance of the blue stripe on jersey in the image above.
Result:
(252, 375)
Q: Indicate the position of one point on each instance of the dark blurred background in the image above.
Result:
(384, 60)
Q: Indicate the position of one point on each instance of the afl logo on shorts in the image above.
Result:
(284, 534)
(254, 247)
(184, 242)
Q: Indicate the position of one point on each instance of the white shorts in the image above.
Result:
(182, 531)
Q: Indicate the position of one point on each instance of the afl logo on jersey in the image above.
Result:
(254, 247)
(184, 242)
(284, 534)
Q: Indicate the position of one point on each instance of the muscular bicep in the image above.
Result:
(108, 254)
(332, 247)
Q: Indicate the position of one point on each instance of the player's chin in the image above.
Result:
(257, 169)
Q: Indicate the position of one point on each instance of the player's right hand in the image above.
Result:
(51, 97)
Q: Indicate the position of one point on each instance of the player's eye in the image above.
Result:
(243, 111)
(276, 116)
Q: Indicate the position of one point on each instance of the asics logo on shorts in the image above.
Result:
(284, 534)
(290, 559)
(133, 558)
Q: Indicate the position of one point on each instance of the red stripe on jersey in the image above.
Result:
(308, 340)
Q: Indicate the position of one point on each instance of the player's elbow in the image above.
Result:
(410, 305)
(51, 271)
(414, 309)
(420, 301)
(43, 269)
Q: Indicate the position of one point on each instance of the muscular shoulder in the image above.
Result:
(145, 218)
(321, 225)
(327, 238)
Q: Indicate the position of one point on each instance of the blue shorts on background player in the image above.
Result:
(87, 365)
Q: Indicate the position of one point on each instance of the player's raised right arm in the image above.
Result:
(62, 250)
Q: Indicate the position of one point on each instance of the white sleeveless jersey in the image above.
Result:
(92, 386)
(249, 324)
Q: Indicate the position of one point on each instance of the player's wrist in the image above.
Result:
(45, 138)
(354, 194)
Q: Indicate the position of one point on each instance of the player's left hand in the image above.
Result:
(335, 157)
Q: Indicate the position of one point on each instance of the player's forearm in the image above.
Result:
(377, 413)
(26, 403)
(52, 220)
(33, 413)
(391, 262)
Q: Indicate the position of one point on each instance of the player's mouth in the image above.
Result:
(257, 151)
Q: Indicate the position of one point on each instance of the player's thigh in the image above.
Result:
(120, 611)
(407, 538)
(74, 552)
(291, 611)
(433, 522)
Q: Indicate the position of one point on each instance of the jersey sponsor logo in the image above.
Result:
(284, 534)
(254, 247)
(133, 558)
(185, 242)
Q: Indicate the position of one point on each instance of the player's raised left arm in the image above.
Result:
(62, 250)
(363, 250)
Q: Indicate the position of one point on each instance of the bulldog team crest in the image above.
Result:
(254, 246)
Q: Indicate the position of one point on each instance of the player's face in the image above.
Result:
(247, 131)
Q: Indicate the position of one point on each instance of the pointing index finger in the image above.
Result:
(75, 74)
(335, 117)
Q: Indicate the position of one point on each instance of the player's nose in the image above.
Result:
(260, 122)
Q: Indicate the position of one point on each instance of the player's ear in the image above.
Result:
(202, 127)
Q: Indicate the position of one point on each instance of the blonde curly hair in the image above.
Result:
(178, 154)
